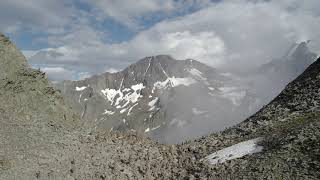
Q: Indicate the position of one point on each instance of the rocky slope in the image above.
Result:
(163, 98)
(289, 129)
(42, 139)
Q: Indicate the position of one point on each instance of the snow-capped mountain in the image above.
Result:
(167, 99)
(176, 100)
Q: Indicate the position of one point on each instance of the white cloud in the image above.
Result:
(34, 15)
(236, 34)
(29, 53)
(206, 46)
(58, 73)
(84, 75)
(132, 13)
(112, 70)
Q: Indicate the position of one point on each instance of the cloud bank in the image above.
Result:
(235, 34)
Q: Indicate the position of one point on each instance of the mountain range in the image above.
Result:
(172, 101)
(42, 138)
(166, 99)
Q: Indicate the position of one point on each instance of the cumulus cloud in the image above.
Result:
(132, 14)
(42, 15)
(58, 73)
(234, 34)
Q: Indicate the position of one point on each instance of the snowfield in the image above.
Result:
(236, 151)
(174, 82)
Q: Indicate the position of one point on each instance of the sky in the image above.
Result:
(78, 38)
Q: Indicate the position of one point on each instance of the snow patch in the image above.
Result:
(129, 112)
(236, 151)
(81, 88)
(137, 87)
(174, 82)
(123, 110)
(126, 90)
(163, 70)
(118, 96)
(152, 103)
(197, 73)
(157, 127)
(110, 94)
(149, 59)
(152, 129)
(108, 112)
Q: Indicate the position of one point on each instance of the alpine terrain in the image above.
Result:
(176, 100)
(41, 137)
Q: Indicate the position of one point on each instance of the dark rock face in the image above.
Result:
(163, 98)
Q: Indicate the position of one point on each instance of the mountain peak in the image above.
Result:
(298, 49)
(11, 59)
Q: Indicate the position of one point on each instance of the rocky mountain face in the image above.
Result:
(163, 98)
(41, 138)
(284, 137)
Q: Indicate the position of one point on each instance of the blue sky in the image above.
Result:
(77, 38)
(116, 31)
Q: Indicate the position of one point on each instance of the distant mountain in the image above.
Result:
(169, 100)
(271, 78)
(176, 100)
(295, 61)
